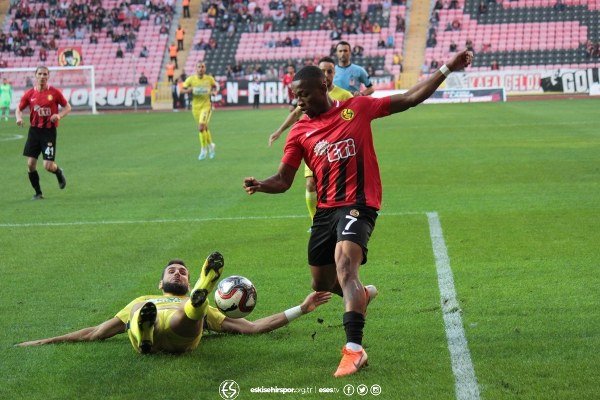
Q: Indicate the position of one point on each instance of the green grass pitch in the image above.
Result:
(516, 187)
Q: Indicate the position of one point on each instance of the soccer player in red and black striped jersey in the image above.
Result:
(43, 102)
(335, 140)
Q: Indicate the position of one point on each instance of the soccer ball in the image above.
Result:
(235, 296)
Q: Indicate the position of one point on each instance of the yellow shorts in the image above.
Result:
(307, 172)
(202, 115)
(165, 339)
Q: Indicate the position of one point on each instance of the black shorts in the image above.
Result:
(41, 140)
(333, 225)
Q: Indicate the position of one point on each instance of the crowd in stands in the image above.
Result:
(236, 16)
(38, 25)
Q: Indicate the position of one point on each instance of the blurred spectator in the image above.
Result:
(469, 45)
(381, 43)
(358, 50)
(400, 23)
(179, 36)
(119, 52)
(494, 66)
(559, 5)
(143, 79)
(390, 42)
(170, 71)
(370, 69)
(271, 73)
(482, 7)
(452, 47)
(43, 54)
(173, 54)
(432, 40)
(186, 8)
(144, 53)
(201, 45)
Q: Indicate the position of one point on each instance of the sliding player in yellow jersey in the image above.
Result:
(173, 322)
(202, 86)
(327, 65)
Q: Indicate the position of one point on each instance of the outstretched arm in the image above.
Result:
(278, 183)
(268, 324)
(291, 119)
(103, 331)
(423, 90)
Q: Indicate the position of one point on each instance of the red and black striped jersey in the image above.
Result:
(42, 105)
(338, 147)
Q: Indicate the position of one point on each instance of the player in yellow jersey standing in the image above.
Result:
(201, 86)
(327, 65)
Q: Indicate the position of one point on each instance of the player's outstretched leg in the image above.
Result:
(142, 327)
(209, 275)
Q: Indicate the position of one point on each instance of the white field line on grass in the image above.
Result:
(170, 220)
(462, 366)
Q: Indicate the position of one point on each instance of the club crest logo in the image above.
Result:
(354, 213)
(69, 56)
(50, 97)
(347, 114)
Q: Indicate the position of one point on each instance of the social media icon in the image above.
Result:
(362, 389)
(348, 390)
(375, 390)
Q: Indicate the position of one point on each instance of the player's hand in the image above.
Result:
(32, 343)
(54, 117)
(460, 61)
(20, 123)
(314, 300)
(251, 185)
(274, 136)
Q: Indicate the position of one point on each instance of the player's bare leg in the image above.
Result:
(348, 256)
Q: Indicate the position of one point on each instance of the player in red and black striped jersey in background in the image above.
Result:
(335, 140)
(43, 102)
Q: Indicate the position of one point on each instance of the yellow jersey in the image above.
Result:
(201, 89)
(214, 318)
(337, 93)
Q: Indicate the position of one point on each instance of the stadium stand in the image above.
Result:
(71, 25)
(236, 38)
(523, 34)
(254, 37)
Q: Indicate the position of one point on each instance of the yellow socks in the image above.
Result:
(209, 275)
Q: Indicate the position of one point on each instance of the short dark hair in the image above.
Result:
(309, 72)
(171, 262)
(327, 60)
(343, 43)
(42, 67)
